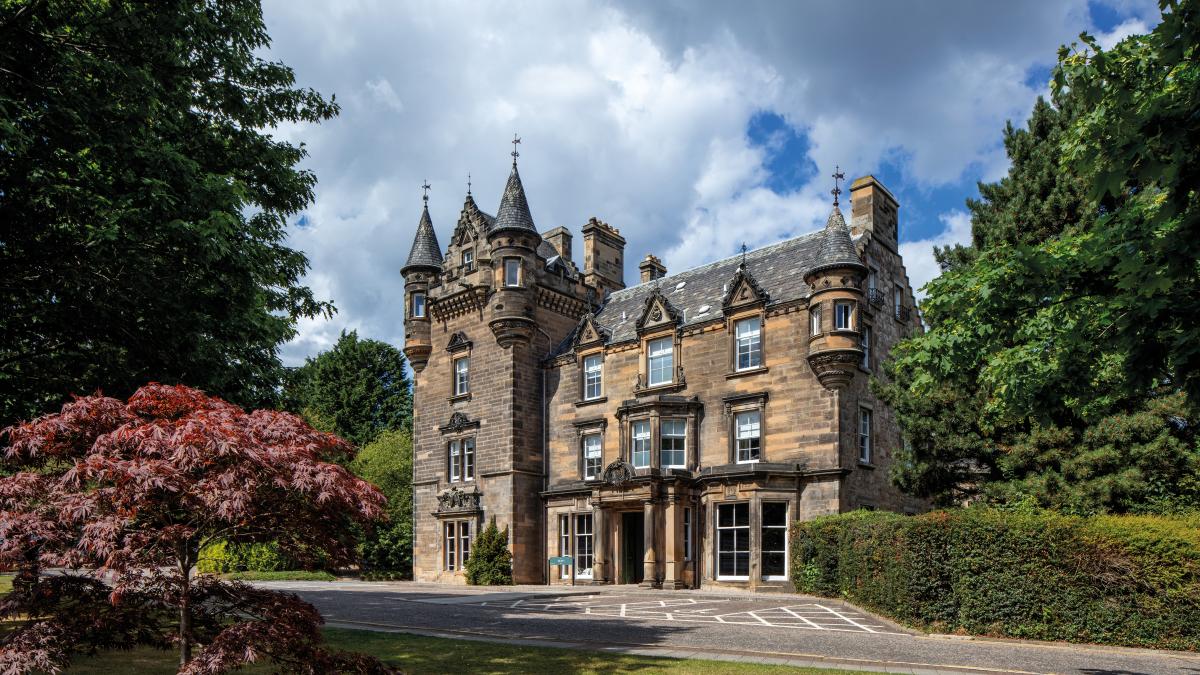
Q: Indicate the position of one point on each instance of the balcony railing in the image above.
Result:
(903, 313)
(875, 297)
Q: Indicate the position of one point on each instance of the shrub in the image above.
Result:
(490, 562)
(224, 557)
(1127, 580)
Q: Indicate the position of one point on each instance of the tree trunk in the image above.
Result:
(185, 608)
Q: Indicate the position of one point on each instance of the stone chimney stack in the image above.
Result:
(874, 209)
(560, 239)
(652, 268)
(603, 257)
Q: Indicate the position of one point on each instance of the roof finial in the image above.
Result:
(425, 187)
(743, 254)
(837, 176)
(516, 139)
(468, 184)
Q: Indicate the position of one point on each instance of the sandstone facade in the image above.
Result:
(664, 434)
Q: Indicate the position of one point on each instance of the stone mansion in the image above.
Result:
(664, 433)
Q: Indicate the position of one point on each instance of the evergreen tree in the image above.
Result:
(1061, 359)
(143, 202)
(386, 462)
(490, 562)
(358, 389)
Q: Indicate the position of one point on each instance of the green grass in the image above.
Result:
(417, 654)
(5, 584)
(284, 575)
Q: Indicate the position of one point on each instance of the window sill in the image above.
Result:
(660, 389)
(590, 401)
(747, 372)
(459, 397)
(866, 465)
(748, 461)
(843, 331)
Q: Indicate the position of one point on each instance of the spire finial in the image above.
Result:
(516, 139)
(468, 184)
(743, 254)
(425, 188)
(837, 176)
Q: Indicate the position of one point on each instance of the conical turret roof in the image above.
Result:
(425, 250)
(837, 247)
(513, 213)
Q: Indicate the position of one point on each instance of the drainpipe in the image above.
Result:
(545, 526)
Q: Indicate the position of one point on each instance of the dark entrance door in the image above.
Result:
(633, 532)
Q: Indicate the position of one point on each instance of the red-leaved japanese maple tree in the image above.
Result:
(124, 495)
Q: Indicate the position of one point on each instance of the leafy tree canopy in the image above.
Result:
(1060, 362)
(143, 486)
(143, 201)
(386, 462)
(357, 389)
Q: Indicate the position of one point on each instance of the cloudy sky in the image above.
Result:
(691, 126)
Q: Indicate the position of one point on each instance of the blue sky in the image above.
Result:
(691, 125)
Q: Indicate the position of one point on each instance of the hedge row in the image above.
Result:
(1121, 580)
(224, 557)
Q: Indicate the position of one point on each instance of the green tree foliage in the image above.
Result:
(1060, 360)
(386, 462)
(143, 203)
(359, 387)
(490, 562)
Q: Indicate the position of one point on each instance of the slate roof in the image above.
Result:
(697, 293)
(513, 213)
(837, 247)
(425, 250)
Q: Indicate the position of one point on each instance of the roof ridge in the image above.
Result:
(750, 255)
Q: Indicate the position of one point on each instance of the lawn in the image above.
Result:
(419, 654)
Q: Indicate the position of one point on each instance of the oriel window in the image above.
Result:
(843, 315)
(814, 319)
(512, 272)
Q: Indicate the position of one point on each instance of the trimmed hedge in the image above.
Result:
(224, 557)
(1120, 580)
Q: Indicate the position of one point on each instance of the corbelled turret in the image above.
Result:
(421, 270)
(514, 240)
(834, 305)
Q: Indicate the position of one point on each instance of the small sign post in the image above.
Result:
(560, 560)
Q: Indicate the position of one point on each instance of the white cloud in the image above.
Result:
(918, 255)
(636, 114)
(1121, 31)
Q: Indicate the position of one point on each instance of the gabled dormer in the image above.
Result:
(744, 292)
(589, 334)
(657, 313)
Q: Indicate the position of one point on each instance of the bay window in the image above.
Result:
(673, 444)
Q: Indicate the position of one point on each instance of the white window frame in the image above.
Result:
(564, 544)
(749, 344)
(843, 315)
(865, 449)
(468, 260)
(897, 300)
(872, 276)
(455, 451)
(464, 542)
(584, 540)
(762, 539)
(512, 272)
(679, 432)
(814, 319)
(660, 351)
(732, 530)
(462, 375)
(748, 427)
(639, 443)
(595, 453)
(418, 305)
(450, 559)
(593, 374)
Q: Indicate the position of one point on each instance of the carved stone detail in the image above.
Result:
(618, 472)
(457, 500)
(458, 422)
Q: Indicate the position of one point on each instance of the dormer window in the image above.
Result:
(592, 377)
(749, 343)
(814, 319)
(418, 305)
(843, 315)
(468, 261)
(660, 360)
(512, 272)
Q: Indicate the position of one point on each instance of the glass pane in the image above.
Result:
(741, 515)
(773, 564)
(725, 565)
(743, 564)
(774, 513)
(773, 538)
(725, 515)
